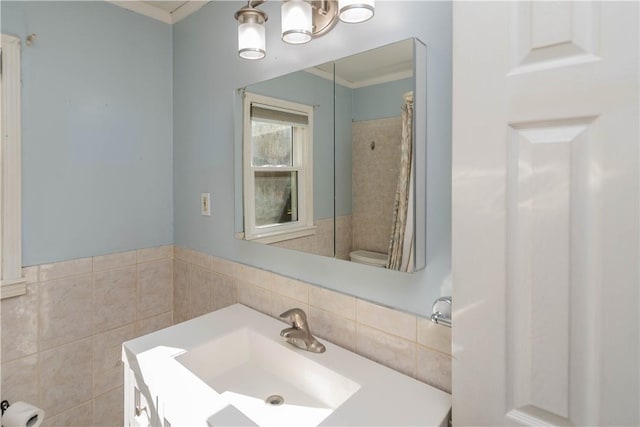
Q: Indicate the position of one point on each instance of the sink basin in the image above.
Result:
(268, 381)
(231, 367)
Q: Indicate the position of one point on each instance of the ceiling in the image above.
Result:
(167, 6)
(384, 64)
(168, 11)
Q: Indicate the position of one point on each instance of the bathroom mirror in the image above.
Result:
(332, 157)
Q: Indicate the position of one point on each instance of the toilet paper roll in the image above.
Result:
(21, 414)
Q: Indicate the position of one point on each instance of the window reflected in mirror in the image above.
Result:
(278, 179)
(351, 195)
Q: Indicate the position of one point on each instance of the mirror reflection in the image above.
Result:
(327, 159)
(372, 90)
(287, 150)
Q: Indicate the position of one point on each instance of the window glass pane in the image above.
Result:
(276, 197)
(271, 144)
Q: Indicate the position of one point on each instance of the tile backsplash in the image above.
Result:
(412, 345)
(61, 341)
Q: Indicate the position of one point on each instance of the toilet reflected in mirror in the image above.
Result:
(374, 259)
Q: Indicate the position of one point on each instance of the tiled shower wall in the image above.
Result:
(61, 342)
(376, 166)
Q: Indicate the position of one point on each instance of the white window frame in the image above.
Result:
(12, 283)
(304, 156)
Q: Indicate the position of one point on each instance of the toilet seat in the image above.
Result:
(369, 258)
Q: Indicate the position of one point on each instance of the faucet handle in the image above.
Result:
(295, 316)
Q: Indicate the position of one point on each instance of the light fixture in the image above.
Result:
(356, 11)
(302, 20)
(297, 22)
(251, 32)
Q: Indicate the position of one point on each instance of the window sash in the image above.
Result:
(257, 107)
(275, 177)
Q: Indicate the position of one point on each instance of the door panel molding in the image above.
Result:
(547, 174)
(547, 35)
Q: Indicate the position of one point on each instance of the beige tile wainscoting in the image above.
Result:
(61, 341)
(321, 243)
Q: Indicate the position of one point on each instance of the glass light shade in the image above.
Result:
(355, 11)
(251, 40)
(297, 21)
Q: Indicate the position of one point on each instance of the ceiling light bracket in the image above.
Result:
(249, 14)
(325, 17)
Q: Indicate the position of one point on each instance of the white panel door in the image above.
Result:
(546, 195)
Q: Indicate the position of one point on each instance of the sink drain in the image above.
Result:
(274, 400)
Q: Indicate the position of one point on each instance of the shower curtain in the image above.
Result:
(401, 243)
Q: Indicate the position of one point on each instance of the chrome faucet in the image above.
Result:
(299, 333)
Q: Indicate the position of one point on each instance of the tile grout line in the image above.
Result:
(172, 284)
(415, 367)
(93, 331)
(357, 333)
(137, 314)
(37, 353)
(435, 350)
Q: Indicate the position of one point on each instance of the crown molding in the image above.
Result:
(187, 9)
(143, 9)
(158, 14)
(400, 75)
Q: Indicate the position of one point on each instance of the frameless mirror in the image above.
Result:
(332, 157)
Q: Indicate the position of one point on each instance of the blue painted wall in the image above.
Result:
(207, 70)
(110, 159)
(380, 101)
(344, 151)
(97, 129)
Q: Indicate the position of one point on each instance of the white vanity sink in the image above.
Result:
(231, 367)
(267, 379)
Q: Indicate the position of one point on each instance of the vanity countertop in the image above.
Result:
(384, 396)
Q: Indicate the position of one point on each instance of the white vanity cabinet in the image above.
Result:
(141, 407)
